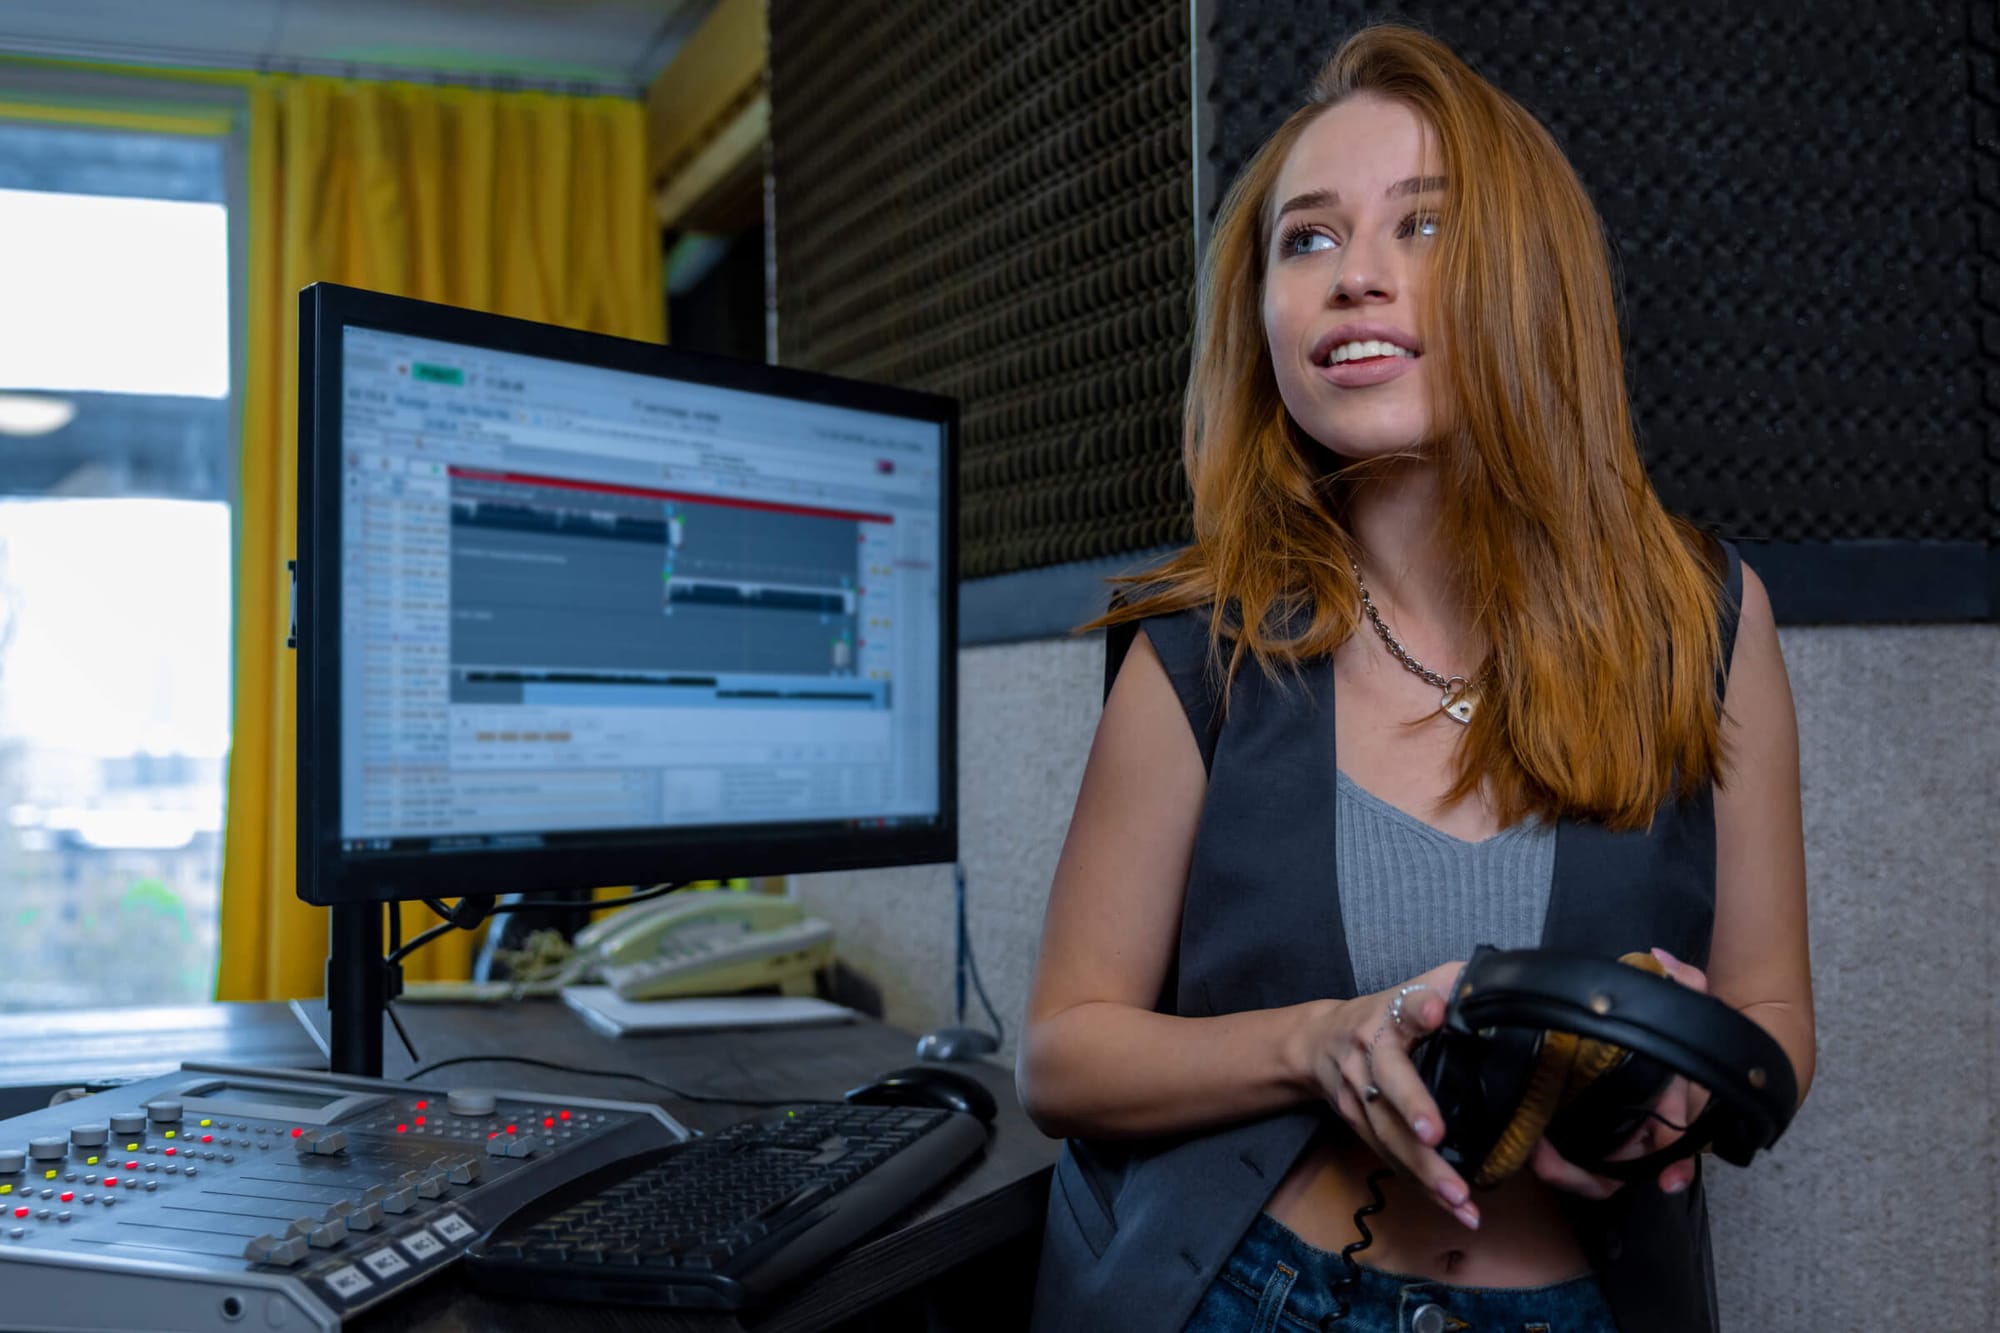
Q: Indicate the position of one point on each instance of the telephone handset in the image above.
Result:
(711, 943)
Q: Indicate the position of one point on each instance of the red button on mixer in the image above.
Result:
(68, 1196)
(208, 1138)
(170, 1152)
(111, 1182)
(20, 1212)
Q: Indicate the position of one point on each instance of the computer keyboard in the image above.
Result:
(723, 1222)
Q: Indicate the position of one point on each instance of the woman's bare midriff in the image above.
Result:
(1523, 1238)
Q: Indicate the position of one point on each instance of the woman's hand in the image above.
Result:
(1678, 1106)
(1361, 1060)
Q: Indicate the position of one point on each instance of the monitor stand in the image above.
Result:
(357, 992)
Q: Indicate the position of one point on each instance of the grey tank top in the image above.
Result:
(1412, 897)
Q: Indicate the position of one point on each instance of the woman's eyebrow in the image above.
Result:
(1415, 185)
(1313, 199)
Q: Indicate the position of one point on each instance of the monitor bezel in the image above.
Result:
(328, 876)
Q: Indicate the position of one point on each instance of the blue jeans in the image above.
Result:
(1276, 1283)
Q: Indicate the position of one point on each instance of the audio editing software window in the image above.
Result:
(586, 599)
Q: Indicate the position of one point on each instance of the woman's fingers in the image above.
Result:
(1686, 973)
(1559, 1171)
(1404, 1117)
(1422, 1163)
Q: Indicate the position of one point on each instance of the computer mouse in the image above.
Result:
(928, 1085)
(956, 1044)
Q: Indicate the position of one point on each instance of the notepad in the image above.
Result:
(603, 1009)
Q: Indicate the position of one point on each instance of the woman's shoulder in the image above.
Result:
(1180, 634)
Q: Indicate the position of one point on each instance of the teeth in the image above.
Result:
(1360, 351)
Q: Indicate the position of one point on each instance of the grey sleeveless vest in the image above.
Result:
(1137, 1229)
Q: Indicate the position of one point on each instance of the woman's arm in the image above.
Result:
(1096, 1060)
(1759, 961)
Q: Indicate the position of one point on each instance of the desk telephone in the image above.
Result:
(705, 943)
(708, 944)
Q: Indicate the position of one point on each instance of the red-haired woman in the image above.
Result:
(1438, 671)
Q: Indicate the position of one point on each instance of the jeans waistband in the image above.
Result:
(1572, 1306)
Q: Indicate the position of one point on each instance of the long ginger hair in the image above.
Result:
(1600, 689)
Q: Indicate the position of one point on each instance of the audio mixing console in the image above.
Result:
(235, 1199)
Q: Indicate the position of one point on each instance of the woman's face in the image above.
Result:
(1356, 217)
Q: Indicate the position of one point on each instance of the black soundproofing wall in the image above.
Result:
(992, 201)
(997, 201)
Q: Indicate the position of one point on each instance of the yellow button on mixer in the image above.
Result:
(48, 1175)
(206, 1123)
(90, 1161)
(131, 1147)
(170, 1133)
(6, 1189)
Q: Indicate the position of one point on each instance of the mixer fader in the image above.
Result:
(223, 1197)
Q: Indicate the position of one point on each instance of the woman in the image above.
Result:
(1438, 671)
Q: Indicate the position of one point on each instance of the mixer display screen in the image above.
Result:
(232, 1095)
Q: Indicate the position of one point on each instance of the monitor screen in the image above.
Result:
(578, 610)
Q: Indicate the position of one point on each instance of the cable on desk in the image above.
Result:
(970, 962)
(601, 1073)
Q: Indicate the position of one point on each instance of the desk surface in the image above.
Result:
(995, 1199)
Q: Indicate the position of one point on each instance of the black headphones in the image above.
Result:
(1578, 1050)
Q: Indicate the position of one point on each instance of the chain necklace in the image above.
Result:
(1460, 695)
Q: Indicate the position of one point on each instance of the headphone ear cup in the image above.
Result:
(1609, 1093)
(1539, 1102)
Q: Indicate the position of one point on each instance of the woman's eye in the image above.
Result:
(1425, 225)
(1305, 240)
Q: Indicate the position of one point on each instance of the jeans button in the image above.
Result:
(1427, 1319)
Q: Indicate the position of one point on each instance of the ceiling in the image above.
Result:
(604, 45)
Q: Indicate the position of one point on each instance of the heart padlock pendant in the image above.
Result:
(1457, 701)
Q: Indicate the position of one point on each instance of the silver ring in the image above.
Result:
(1371, 1093)
(1396, 1003)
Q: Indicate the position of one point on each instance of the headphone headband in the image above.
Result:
(1529, 994)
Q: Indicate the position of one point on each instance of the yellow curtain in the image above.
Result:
(524, 204)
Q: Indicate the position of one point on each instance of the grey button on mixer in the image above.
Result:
(89, 1136)
(280, 1250)
(48, 1150)
(400, 1200)
(12, 1161)
(464, 1171)
(129, 1122)
(462, 1102)
(365, 1218)
(18, 1232)
(327, 1236)
(166, 1111)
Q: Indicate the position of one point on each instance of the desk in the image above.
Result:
(983, 1222)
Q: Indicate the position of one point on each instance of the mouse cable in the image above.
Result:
(598, 1073)
(972, 962)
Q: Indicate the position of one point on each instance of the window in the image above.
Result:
(116, 433)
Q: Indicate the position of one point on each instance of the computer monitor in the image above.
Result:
(575, 610)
